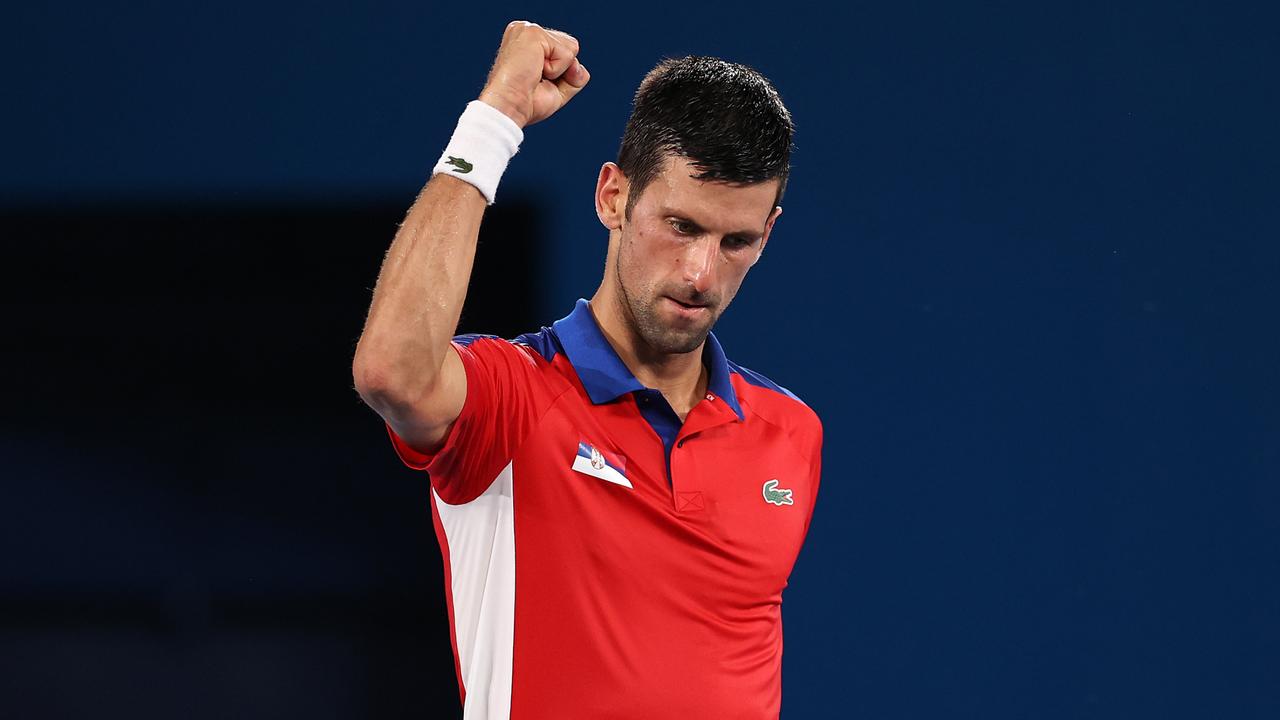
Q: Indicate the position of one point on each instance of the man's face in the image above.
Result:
(685, 251)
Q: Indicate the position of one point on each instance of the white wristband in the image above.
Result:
(483, 143)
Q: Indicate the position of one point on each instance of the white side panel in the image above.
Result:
(482, 559)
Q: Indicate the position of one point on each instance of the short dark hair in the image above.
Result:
(726, 118)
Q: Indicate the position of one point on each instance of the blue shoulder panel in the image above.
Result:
(544, 341)
(754, 378)
(468, 338)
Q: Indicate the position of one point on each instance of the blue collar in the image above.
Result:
(606, 377)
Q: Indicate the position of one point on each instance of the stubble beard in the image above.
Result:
(647, 322)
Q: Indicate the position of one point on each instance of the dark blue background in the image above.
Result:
(1026, 274)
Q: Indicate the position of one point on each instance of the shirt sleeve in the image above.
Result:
(505, 396)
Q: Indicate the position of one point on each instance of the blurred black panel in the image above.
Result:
(214, 307)
(201, 518)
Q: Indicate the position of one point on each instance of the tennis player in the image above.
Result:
(618, 504)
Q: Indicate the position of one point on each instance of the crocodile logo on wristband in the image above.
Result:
(463, 166)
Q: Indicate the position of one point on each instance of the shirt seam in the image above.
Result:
(525, 438)
(791, 439)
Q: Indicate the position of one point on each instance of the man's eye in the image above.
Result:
(737, 243)
(682, 227)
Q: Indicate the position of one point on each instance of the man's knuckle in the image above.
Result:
(569, 39)
(517, 26)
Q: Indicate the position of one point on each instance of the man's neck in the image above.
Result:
(681, 377)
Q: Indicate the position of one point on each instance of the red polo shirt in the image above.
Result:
(603, 559)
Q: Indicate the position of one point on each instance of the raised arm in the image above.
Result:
(404, 366)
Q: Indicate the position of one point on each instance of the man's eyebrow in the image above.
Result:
(752, 235)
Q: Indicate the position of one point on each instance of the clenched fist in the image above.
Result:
(535, 74)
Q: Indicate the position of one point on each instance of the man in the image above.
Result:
(617, 504)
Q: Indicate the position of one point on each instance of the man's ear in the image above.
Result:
(611, 195)
(768, 228)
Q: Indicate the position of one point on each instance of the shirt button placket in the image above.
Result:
(687, 501)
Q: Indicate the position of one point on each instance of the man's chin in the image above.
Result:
(681, 341)
(673, 334)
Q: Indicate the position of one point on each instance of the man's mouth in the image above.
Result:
(688, 309)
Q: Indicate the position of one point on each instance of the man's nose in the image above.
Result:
(700, 263)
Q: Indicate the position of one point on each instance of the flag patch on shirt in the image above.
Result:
(598, 463)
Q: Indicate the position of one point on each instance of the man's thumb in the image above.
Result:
(573, 80)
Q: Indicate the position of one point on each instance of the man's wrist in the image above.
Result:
(510, 109)
(483, 142)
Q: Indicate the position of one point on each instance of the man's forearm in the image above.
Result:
(419, 294)
(421, 288)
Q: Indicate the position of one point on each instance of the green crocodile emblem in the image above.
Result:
(776, 496)
(462, 165)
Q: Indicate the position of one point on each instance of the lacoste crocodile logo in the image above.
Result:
(776, 496)
(463, 166)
